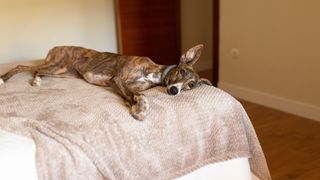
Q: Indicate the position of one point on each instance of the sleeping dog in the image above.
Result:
(127, 75)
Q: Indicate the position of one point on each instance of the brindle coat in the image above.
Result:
(127, 75)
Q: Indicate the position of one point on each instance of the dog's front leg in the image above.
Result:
(137, 102)
(204, 81)
(140, 109)
(117, 85)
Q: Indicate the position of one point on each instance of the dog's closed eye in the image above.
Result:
(191, 84)
(183, 72)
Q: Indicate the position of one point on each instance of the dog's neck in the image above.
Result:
(158, 76)
(165, 73)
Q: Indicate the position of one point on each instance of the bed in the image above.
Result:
(68, 129)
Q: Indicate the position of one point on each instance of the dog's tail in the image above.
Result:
(16, 70)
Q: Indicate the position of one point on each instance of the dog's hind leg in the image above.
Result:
(20, 69)
(37, 79)
(16, 70)
(45, 69)
(51, 72)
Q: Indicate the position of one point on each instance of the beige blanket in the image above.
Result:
(85, 132)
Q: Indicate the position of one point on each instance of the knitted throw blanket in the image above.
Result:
(81, 130)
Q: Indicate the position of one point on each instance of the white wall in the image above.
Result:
(29, 28)
(279, 61)
(196, 28)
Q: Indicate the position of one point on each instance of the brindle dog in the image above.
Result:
(127, 75)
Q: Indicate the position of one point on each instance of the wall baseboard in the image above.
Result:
(272, 101)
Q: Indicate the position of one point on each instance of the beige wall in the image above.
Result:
(196, 28)
(279, 45)
(29, 28)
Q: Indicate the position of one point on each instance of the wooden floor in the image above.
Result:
(291, 143)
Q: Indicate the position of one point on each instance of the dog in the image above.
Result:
(127, 75)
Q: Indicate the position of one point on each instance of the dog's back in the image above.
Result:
(81, 59)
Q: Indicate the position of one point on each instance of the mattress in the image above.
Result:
(17, 161)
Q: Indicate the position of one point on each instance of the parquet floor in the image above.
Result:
(291, 143)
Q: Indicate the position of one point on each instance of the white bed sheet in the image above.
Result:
(17, 157)
(17, 162)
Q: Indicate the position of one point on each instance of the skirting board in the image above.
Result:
(272, 101)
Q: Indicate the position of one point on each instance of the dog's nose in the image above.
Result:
(173, 90)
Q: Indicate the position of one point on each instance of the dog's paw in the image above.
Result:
(140, 109)
(1, 81)
(204, 81)
(36, 81)
(137, 113)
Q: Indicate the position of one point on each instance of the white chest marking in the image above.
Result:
(152, 77)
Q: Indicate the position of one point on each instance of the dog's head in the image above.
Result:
(183, 77)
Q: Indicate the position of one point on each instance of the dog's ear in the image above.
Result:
(192, 55)
(204, 81)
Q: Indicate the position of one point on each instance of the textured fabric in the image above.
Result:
(81, 130)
